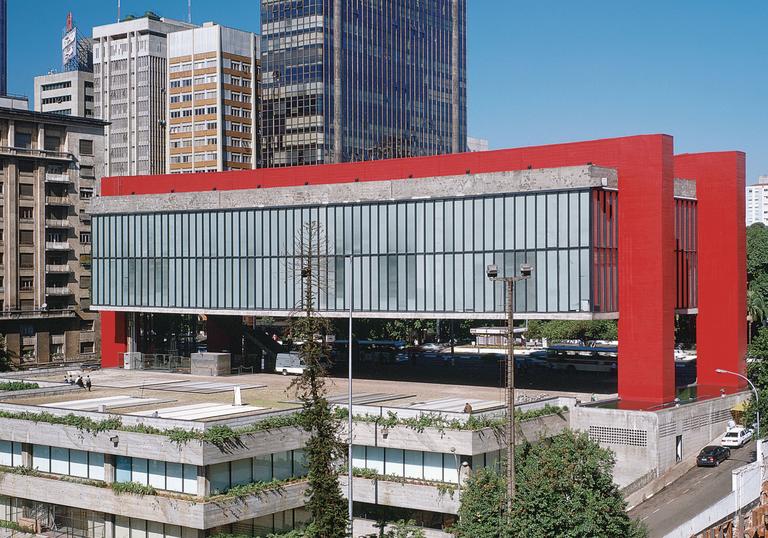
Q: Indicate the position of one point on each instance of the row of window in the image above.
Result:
(158, 474)
(277, 466)
(237, 127)
(66, 461)
(198, 126)
(236, 112)
(198, 111)
(187, 66)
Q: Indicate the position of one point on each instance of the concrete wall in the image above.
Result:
(402, 494)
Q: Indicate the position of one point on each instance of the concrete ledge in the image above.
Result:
(403, 494)
(366, 527)
(173, 510)
(257, 444)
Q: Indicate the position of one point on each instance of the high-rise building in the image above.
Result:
(50, 166)
(757, 201)
(71, 91)
(3, 47)
(352, 81)
(129, 68)
(212, 99)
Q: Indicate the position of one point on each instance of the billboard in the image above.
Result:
(69, 46)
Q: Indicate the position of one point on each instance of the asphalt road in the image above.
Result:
(692, 493)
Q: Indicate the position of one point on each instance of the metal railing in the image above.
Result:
(39, 153)
(57, 245)
(58, 200)
(165, 362)
(60, 268)
(51, 177)
(58, 223)
(38, 313)
(58, 290)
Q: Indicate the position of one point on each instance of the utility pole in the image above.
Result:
(493, 275)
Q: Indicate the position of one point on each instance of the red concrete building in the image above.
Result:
(658, 245)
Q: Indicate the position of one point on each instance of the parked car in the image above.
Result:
(737, 437)
(711, 456)
(289, 363)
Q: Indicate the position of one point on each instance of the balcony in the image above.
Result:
(58, 245)
(58, 200)
(58, 291)
(59, 269)
(36, 153)
(35, 314)
(57, 223)
(57, 178)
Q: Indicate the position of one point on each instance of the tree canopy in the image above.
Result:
(564, 488)
(573, 330)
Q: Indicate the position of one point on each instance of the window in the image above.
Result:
(85, 238)
(23, 140)
(26, 237)
(25, 213)
(86, 347)
(26, 261)
(26, 283)
(86, 193)
(26, 190)
(86, 147)
(52, 143)
(159, 474)
(86, 172)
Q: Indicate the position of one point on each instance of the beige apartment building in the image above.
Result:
(49, 168)
(213, 74)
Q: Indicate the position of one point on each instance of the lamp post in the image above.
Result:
(757, 399)
(348, 262)
(493, 274)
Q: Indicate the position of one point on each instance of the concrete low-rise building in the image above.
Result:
(111, 464)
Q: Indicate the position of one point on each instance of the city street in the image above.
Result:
(690, 494)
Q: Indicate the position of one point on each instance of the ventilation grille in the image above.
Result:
(618, 436)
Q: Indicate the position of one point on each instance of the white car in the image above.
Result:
(737, 437)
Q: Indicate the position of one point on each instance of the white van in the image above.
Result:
(289, 363)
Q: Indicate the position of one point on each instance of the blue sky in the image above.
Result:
(539, 71)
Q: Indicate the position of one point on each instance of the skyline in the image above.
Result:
(692, 70)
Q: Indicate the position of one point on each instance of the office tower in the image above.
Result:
(50, 166)
(392, 84)
(3, 47)
(757, 201)
(71, 91)
(212, 99)
(129, 68)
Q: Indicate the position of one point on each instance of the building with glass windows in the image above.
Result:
(617, 228)
(213, 74)
(358, 81)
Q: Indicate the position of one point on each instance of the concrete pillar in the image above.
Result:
(113, 339)
(109, 468)
(43, 345)
(26, 455)
(721, 324)
(109, 525)
(203, 484)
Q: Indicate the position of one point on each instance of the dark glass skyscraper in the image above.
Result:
(354, 80)
(3, 47)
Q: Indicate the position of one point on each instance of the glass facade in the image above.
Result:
(402, 72)
(422, 257)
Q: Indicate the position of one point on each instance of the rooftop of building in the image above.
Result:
(9, 110)
(210, 400)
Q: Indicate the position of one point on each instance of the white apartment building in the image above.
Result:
(129, 68)
(757, 201)
(213, 94)
(69, 93)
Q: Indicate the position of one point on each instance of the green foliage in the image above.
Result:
(564, 488)
(5, 524)
(324, 449)
(132, 487)
(17, 385)
(6, 356)
(573, 330)
(255, 488)
(757, 372)
(481, 513)
(758, 349)
(443, 488)
(399, 529)
(85, 424)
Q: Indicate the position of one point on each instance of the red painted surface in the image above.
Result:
(721, 326)
(646, 262)
(113, 339)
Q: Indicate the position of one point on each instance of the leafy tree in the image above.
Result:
(757, 372)
(564, 488)
(400, 529)
(573, 330)
(758, 348)
(483, 510)
(324, 449)
(6, 356)
(757, 260)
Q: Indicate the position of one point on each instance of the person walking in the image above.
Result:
(88, 383)
(79, 382)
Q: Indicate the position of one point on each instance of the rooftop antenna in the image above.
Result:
(189, 11)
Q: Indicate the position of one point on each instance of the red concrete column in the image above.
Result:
(721, 326)
(224, 334)
(114, 330)
(647, 273)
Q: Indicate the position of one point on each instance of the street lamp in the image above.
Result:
(493, 274)
(350, 503)
(754, 391)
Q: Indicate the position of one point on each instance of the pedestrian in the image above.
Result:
(79, 382)
(66, 379)
(88, 383)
